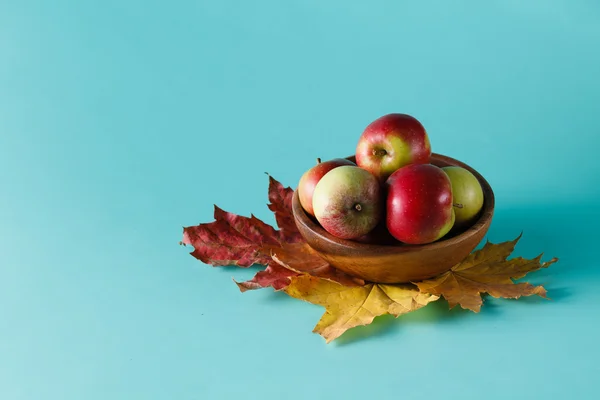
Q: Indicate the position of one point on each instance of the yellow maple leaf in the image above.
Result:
(348, 307)
(486, 271)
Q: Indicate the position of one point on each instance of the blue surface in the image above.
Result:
(122, 121)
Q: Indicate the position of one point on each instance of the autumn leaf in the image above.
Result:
(231, 240)
(274, 276)
(292, 260)
(486, 271)
(281, 204)
(237, 240)
(348, 307)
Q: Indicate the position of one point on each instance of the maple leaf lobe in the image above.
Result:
(486, 271)
(348, 307)
(231, 240)
(274, 276)
(280, 199)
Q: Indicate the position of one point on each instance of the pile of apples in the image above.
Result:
(392, 193)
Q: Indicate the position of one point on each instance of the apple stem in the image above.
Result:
(379, 152)
(457, 205)
(318, 161)
(357, 207)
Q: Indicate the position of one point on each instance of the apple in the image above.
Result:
(391, 142)
(348, 202)
(310, 178)
(419, 204)
(467, 195)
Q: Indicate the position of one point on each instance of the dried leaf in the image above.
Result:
(486, 271)
(274, 275)
(281, 204)
(348, 307)
(232, 240)
(236, 240)
(292, 260)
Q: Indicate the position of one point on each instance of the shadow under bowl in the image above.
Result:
(398, 263)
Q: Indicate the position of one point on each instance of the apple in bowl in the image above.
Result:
(391, 142)
(467, 195)
(309, 180)
(419, 204)
(347, 202)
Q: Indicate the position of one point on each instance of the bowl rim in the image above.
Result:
(484, 219)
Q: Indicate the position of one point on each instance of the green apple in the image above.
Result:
(467, 195)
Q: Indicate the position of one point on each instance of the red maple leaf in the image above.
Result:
(231, 240)
(281, 205)
(237, 240)
(274, 275)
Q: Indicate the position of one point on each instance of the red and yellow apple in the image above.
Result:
(419, 204)
(348, 202)
(391, 142)
(310, 178)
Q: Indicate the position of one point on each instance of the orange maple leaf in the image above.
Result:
(486, 271)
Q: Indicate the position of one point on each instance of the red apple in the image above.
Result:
(348, 202)
(310, 178)
(419, 204)
(391, 142)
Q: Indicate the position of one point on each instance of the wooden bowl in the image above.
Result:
(399, 262)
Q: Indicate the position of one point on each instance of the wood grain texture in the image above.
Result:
(398, 263)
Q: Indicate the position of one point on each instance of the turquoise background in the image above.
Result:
(122, 121)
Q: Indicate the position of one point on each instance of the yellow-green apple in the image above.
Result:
(391, 142)
(467, 194)
(419, 204)
(348, 202)
(310, 178)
